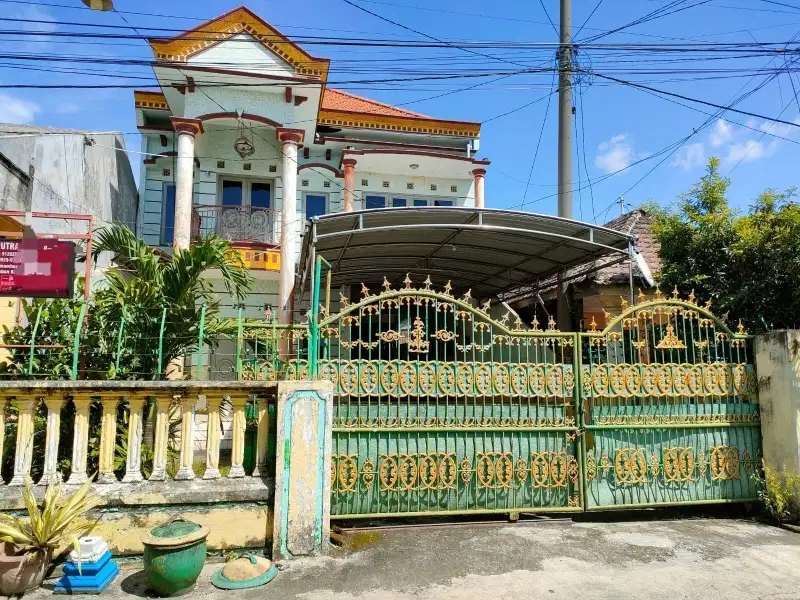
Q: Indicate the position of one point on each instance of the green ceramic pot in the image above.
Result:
(174, 555)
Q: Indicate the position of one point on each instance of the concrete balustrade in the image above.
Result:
(173, 407)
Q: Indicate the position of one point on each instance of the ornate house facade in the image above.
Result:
(247, 140)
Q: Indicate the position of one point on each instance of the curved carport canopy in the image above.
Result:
(489, 251)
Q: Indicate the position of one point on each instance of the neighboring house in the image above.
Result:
(63, 172)
(603, 289)
(246, 140)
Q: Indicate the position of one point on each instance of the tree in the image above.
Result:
(747, 265)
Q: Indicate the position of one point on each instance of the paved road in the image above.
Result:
(554, 560)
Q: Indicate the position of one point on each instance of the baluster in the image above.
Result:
(212, 438)
(3, 405)
(186, 472)
(52, 438)
(261, 439)
(24, 449)
(238, 402)
(80, 439)
(108, 439)
(133, 460)
(160, 444)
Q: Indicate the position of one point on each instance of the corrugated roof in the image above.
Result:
(339, 100)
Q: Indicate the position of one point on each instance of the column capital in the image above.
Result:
(479, 172)
(349, 162)
(189, 126)
(288, 135)
(54, 402)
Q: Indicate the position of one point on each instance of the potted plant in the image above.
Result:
(29, 544)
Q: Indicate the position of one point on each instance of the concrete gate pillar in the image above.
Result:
(777, 357)
(301, 520)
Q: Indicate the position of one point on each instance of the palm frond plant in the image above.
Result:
(56, 524)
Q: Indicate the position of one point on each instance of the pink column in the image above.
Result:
(479, 175)
(348, 193)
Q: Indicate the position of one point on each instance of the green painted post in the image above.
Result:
(119, 340)
(200, 340)
(239, 339)
(33, 338)
(313, 322)
(161, 342)
(76, 346)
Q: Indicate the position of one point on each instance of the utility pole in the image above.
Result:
(563, 312)
(565, 111)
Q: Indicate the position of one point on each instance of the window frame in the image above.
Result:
(162, 237)
(246, 189)
(327, 202)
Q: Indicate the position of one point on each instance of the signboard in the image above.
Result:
(38, 267)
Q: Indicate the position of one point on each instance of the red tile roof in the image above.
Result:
(345, 101)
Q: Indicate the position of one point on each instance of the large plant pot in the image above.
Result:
(20, 573)
(174, 555)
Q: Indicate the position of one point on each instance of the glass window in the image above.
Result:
(232, 193)
(315, 205)
(420, 203)
(399, 202)
(259, 194)
(443, 203)
(375, 202)
(168, 216)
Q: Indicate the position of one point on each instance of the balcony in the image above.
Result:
(249, 225)
(253, 232)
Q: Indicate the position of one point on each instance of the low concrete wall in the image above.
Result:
(778, 369)
(238, 511)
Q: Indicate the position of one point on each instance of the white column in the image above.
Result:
(479, 175)
(184, 184)
(133, 460)
(52, 437)
(290, 231)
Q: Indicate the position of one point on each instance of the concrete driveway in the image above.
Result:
(702, 559)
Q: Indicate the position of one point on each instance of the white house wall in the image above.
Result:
(242, 50)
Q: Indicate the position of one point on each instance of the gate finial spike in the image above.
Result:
(344, 300)
(659, 294)
(408, 282)
(387, 287)
(448, 289)
(487, 306)
(593, 325)
(428, 283)
(535, 324)
(467, 296)
(675, 293)
(691, 298)
(623, 302)
(740, 328)
(641, 297)
(364, 290)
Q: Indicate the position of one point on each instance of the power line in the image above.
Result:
(539, 141)
(547, 14)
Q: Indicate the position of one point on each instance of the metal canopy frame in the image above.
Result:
(493, 251)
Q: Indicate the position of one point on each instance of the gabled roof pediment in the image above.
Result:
(236, 22)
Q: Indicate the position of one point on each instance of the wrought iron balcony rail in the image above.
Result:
(236, 223)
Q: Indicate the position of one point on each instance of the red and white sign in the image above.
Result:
(38, 267)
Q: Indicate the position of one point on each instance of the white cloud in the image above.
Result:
(16, 110)
(689, 157)
(780, 129)
(721, 134)
(750, 151)
(67, 108)
(615, 153)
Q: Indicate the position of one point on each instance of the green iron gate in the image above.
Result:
(669, 408)
(441, 409)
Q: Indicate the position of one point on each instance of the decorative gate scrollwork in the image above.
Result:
(443, 407)
(669, 405)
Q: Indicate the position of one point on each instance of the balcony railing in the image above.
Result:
(237, 223)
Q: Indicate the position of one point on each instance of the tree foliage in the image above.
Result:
(127, 310)
(747, 265)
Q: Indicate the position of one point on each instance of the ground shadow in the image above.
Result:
(136, 584)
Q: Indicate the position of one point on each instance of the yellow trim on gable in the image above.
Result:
(404, 124)
(240, 21)
(154, 100)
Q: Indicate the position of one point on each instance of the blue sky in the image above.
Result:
(621, 125)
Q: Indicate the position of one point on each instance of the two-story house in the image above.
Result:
(246, 140)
